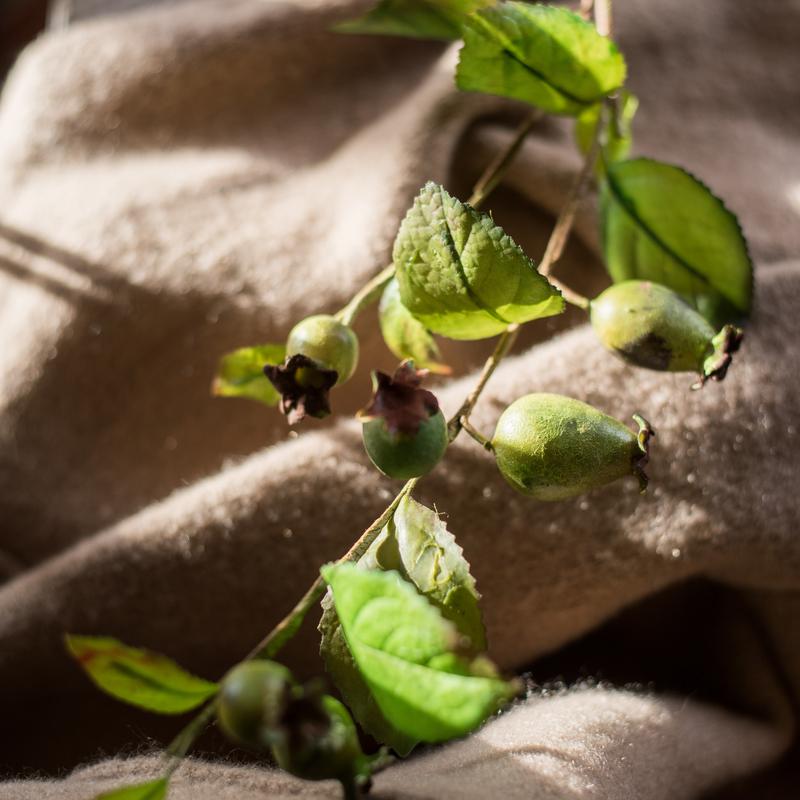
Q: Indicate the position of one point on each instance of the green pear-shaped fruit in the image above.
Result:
(252, 699)
(651, 326)
(406, 455)
(552, 447)
(321, 741)
(326, 341)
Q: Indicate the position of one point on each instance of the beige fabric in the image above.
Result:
(576, 746)
(178, 182)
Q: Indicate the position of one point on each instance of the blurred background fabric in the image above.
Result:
(178, 179)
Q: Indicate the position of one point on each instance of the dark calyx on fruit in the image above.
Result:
(405, 433)
(303, 385)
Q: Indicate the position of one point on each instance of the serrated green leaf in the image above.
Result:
(416, 544)
(543, 55)
(139, 677)
(151, 790)
(461, 275)
(407, 653)
(241, 373)
(420, 19)
(660, 223)
(616, 136)
(405, 335)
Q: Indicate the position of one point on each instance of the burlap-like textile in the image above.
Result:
(180, 181)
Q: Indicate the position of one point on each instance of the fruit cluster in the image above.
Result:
(547, 446)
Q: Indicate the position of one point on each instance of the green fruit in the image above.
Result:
(552, 447)
(651, 326)
(328, 342)
(252, 699)
(321, 741)
(406, 455)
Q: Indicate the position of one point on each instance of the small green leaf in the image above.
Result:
(543, 55)
(151, 790)
(616, 136)
(405, 335)
(417, 544)
(421, 19)
(662, 224)
(241, 373)
(461, 275)
(139, 677)
(407, 653)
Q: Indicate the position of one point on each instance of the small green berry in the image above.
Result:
(252, 699)
(321, 741)
(552, 447)
(651, 326)
(406, 455)
(326, 341)
(404, 432)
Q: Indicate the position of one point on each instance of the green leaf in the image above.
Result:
(241, 373)
(139, 677)
(151, 790)
(421, 19)
(616, 136)
(407, 653)
(543, 55)
(416, 544)
(405, 335)
(461, 275)
(662, 224)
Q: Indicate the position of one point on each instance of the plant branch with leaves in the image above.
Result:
(401, 630)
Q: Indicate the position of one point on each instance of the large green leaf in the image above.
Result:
(405, 335)
(662, 224)
(139, 677)
(408, 655)
(151, 790)
(241, 373)
(421, 19)
(461, 275)
(416, 544)
(543, 55)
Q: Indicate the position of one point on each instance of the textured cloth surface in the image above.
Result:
(179, 181)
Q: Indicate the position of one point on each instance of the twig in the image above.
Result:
(602, 17)
(365, 296)
(497, 168)
(563, 226)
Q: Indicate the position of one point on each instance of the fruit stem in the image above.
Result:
(566, 218)
(476, 434)
(570, 295)
(504, 344)
(365, 296)
(498, 167)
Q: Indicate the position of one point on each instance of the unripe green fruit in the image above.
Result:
(322, 743)
(651, 326)
(552, 447)
(406, 455)
(328, 342)
(252, 699)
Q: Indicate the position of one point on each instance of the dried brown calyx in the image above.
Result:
(303, 386)
(400, 400)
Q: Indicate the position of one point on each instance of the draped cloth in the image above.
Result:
(178, 181)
